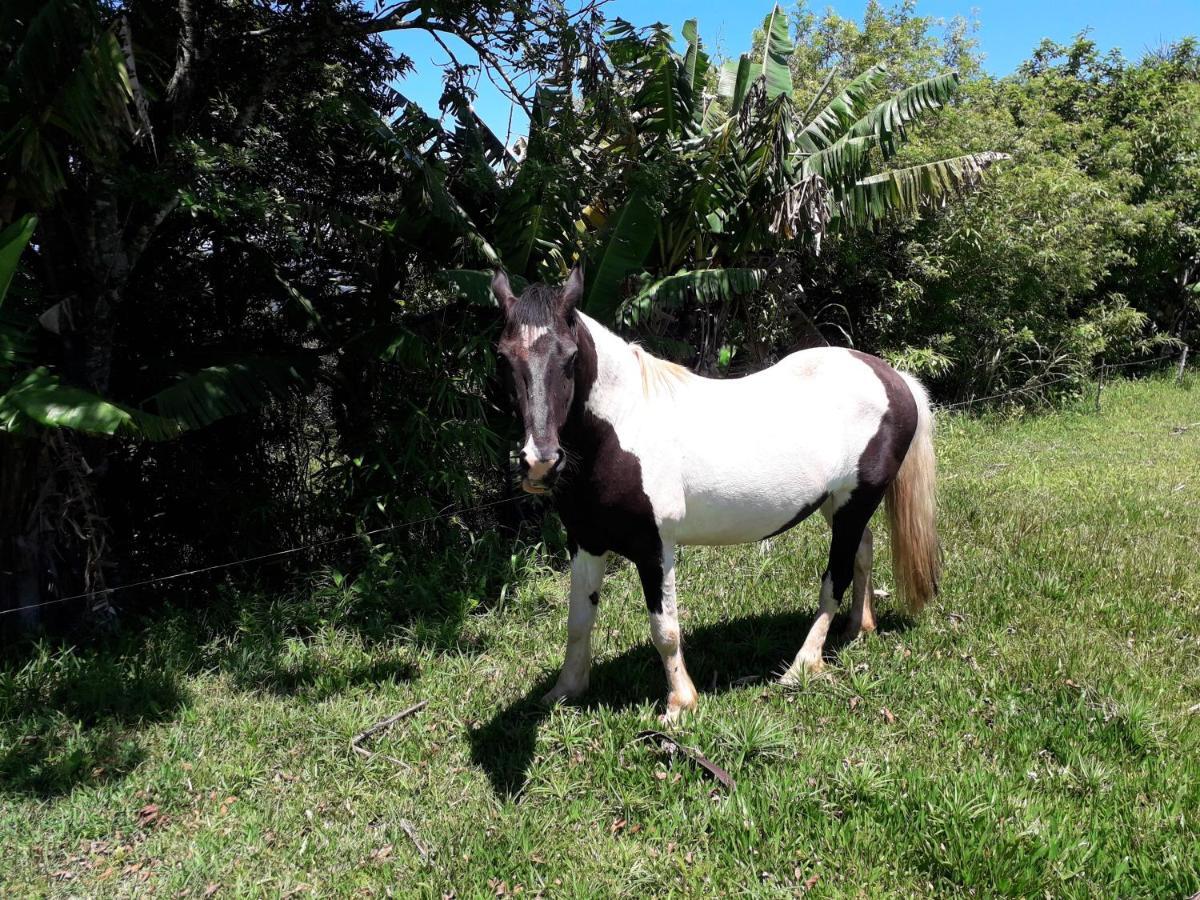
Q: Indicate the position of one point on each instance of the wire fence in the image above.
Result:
(1036, 386)
(447, 514)
(262, 558)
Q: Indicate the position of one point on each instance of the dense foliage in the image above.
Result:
(251, 307)
(1083, 248)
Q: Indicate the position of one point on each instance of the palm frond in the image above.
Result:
(664, 98)
(705, 286)
(778, 48)
(16, 344)
(13, 241)
(216, 392)
(734, 82)
(40, 398)
(534, 225)
(910, 190)
(842, 164)
(886, 122)
(475, 285)
(68, 74)
(840, 113)
(631, 234)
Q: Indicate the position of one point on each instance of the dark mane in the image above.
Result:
(536, 305)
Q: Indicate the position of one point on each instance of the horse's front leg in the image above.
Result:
(587, 573)
(658, 582)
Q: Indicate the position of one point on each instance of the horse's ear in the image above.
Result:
(572, 289)
(502, 290)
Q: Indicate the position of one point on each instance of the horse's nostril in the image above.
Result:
(523, 462)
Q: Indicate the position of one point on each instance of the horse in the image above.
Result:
(641, 456)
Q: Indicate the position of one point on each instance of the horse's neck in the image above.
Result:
(616, 392)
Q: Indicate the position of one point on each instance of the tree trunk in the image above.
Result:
(54, 540)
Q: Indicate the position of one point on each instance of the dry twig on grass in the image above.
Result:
(411, 830)
(670, 746)
(356, 743)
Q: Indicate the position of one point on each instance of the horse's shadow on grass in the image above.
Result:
(720, 658)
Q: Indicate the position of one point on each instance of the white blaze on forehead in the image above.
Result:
(538, 409)
(538, 403)
(530, 333)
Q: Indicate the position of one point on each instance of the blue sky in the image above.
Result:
(1009, 30)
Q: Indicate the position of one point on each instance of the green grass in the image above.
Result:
(1041, 733)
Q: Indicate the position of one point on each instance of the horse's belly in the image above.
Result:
(757, 454)
(750, 516)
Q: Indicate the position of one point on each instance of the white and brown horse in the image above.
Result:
(660, 457)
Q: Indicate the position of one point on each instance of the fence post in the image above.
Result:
(1099, 385)
(1182, 365)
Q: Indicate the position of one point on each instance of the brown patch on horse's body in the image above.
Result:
(884, 454)
(878, 465)
(603, 503)
(804, 513)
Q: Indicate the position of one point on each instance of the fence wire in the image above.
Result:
(1039, 385)
(264, 557)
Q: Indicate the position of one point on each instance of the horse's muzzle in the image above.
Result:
(541, 465)
(540, 469)
(530, 486)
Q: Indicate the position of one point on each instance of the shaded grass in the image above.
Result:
(1033, 733)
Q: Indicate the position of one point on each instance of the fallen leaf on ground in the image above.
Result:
(147, 815)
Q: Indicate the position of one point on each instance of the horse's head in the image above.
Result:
(538, 353)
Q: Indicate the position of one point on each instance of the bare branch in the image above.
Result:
(145, 233)
(421, 847)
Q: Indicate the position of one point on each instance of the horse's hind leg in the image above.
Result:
(849, 524)
(862, 615)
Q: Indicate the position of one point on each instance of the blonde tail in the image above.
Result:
(912, 512)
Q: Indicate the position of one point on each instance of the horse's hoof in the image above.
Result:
(562, 692)
(676, 707)
(801, 670)
(853, 632)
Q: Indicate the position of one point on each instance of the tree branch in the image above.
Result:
(486, 57)
(392, 19)
(181, 79)
(145, 233)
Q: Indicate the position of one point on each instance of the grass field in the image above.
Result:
(1035, 733)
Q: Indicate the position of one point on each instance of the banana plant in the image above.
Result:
(674, 178)
(33, 397)
(747, 171)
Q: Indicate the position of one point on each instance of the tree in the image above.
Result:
(205, 243)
